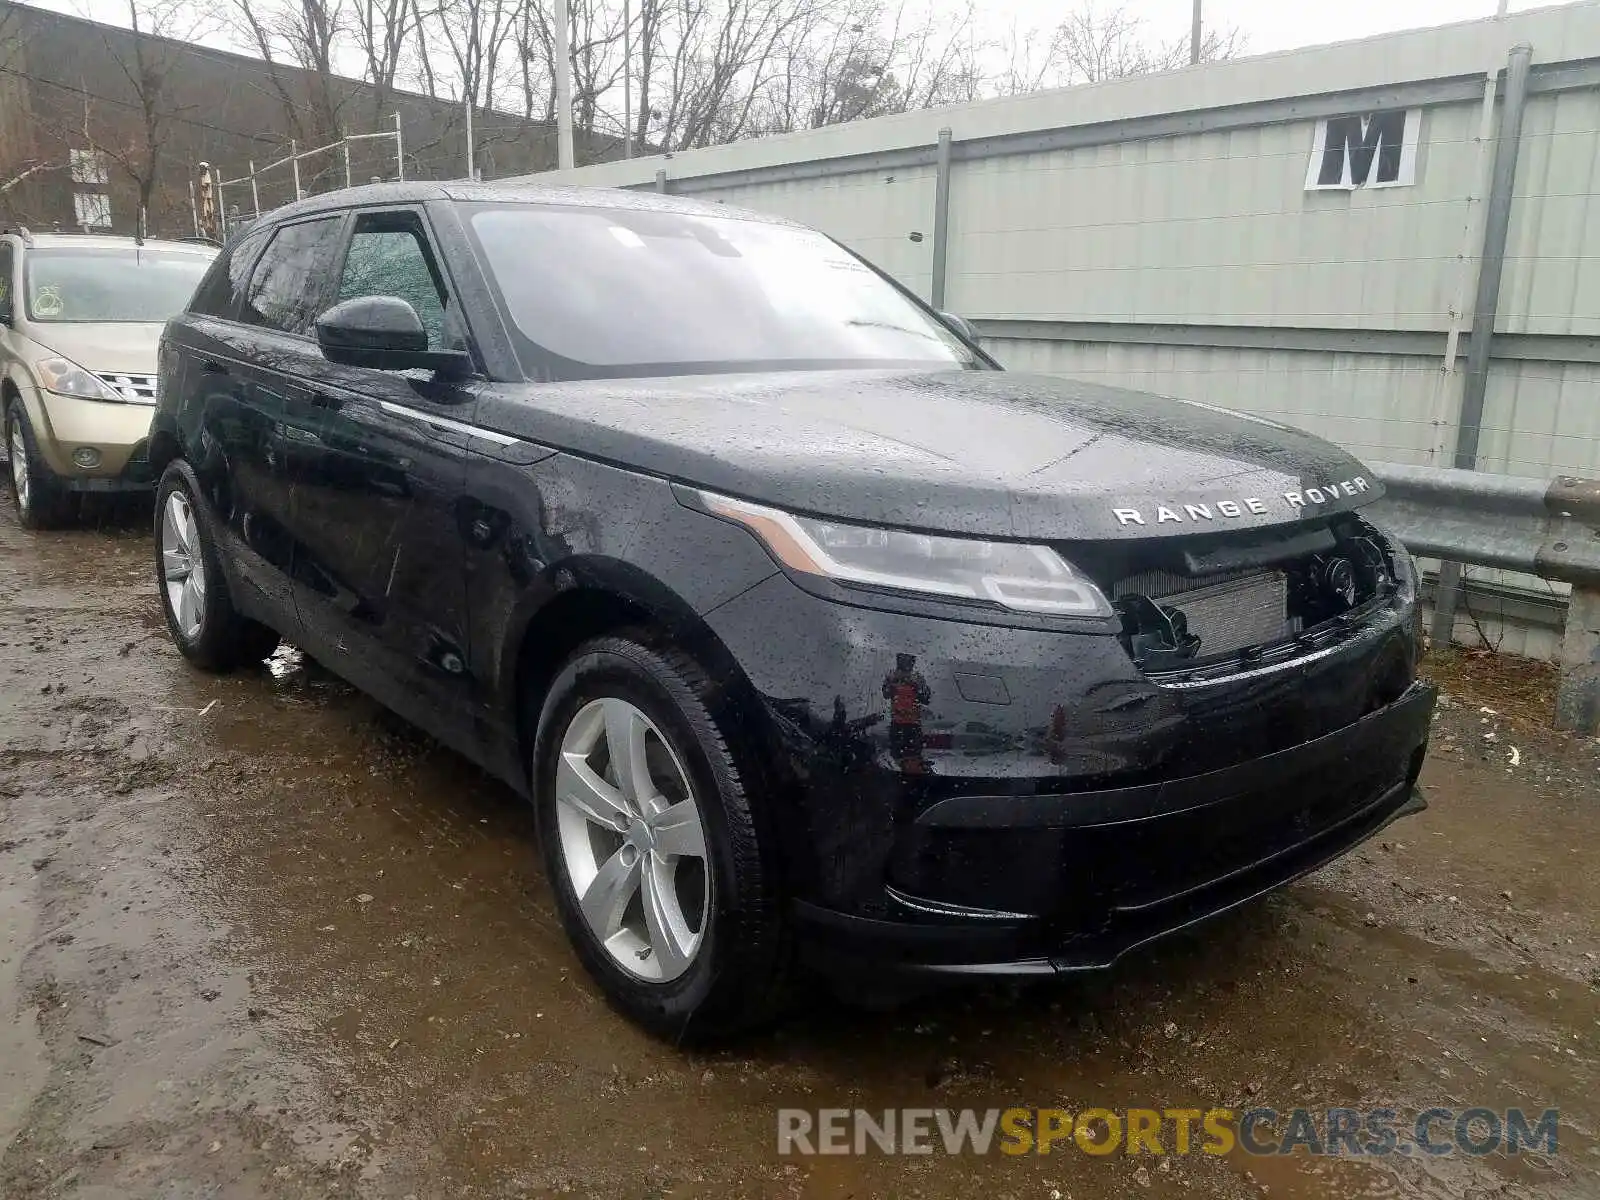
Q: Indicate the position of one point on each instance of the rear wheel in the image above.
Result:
(651, 844)
(43, 501)
(208, 630)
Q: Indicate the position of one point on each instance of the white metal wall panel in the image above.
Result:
(1484, 622)
(1552, 271)
(1377, 406)
(1541, 419)
(1568, 32)
(874, 213)
(1212, 229)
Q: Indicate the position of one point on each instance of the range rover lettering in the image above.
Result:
(813, 637)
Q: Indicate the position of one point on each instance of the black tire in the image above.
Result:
(49, 504)
(737, 977)
(225, 639)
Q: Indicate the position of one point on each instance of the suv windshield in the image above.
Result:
(617, 291)
(73, 283)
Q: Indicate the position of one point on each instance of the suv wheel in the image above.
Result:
(651, 845)
(194, 594)
(42, 502)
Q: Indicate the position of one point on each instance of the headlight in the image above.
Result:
(66, 378)
(1023, 578)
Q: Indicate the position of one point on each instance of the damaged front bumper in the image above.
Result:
(1113, 870)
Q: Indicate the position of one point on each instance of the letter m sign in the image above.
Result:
(1374, 149)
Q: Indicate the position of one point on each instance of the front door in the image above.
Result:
(379, 556)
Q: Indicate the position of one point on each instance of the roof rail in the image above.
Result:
(22, 232)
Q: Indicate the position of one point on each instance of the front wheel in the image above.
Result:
(43, 502)
(206, 627)
(651, 844)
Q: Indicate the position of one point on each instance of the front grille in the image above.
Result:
(135, 389)
(1227, 613)
(1184, 602)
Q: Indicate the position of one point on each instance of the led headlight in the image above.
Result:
(66, 378)
(1023, 578)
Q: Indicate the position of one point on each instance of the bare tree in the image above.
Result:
(476, 32)
(308, 34)
(136, 139)
(20, 159)
(1094, 43)
(385, 30)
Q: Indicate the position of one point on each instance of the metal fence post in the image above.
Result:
(399, 151)
(1578, 693)
(1491, 265)
(941, 219)
(1575, 505)
(255, 190)
(345, 146)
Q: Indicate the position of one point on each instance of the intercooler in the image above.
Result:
(1226, 612)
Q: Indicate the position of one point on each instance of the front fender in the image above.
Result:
(19, 382)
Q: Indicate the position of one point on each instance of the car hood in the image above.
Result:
(993, 453)
(112, 348)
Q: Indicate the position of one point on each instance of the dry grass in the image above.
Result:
(1521, 687)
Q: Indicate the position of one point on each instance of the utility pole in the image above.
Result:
(627, 79)
(563, 88)
(1194, 36)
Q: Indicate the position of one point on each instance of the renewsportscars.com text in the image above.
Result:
(1215, 1131)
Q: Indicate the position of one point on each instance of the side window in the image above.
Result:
(222, 288)
(287, 286)
(7, 263)
(389, 256)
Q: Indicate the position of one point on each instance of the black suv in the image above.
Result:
(810, 633)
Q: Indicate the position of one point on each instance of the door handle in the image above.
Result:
(324, 400)
(212, 367)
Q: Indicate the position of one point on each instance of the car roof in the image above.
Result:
(92, 241)
(463, 191)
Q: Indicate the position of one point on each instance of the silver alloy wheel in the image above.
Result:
(182, 568)
(19, 466)
(632, 840)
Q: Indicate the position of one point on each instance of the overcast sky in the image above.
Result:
(1284, 24)
(1269, 24)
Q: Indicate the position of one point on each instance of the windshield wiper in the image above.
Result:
(921, 333)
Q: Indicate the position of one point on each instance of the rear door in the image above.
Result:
(243, 336)
(379, 572)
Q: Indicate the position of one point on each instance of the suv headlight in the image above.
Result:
(1023, 578)
(66, 378)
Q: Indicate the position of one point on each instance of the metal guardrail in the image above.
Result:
(1545, 528)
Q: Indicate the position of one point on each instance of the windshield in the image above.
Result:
(72, 283)
(613, 291)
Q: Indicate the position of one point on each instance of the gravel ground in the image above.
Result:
(258, 938)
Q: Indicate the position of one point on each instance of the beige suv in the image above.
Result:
(80, 322)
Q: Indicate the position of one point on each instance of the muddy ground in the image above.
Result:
(259, 939)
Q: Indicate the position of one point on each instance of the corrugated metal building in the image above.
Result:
(1298, 235)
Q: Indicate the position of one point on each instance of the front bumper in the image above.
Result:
(961, 798)
(1119, 868)
(119, 433)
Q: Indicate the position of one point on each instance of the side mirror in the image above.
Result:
(385, 333)
(961, 325)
